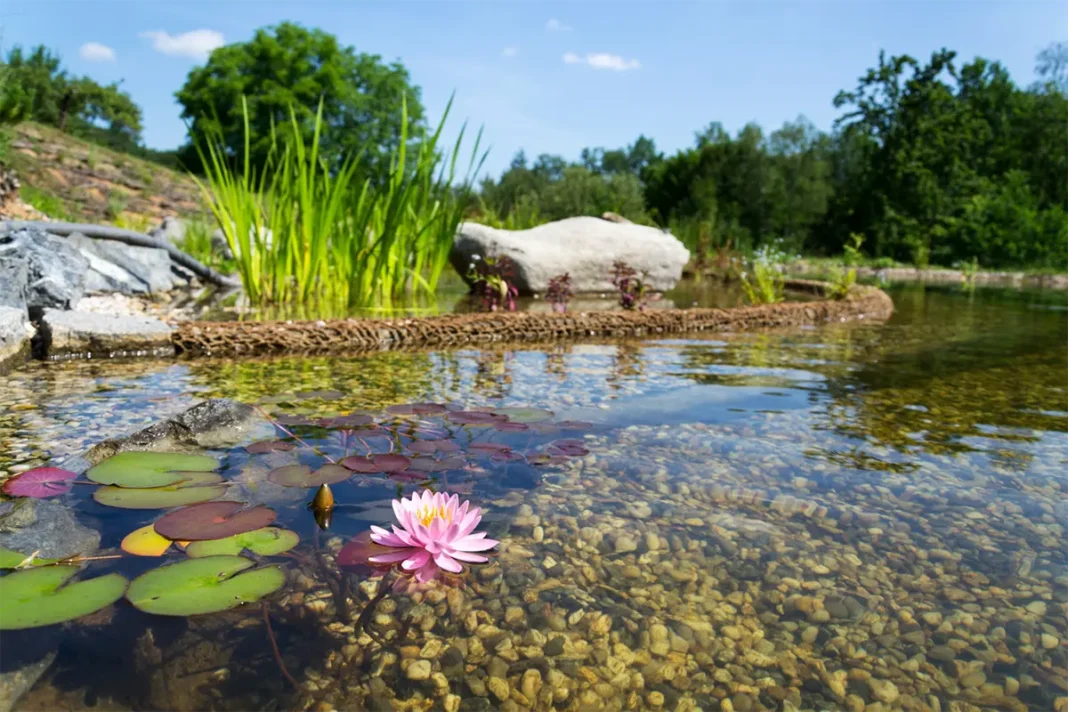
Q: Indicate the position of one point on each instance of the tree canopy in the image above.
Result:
(37, 83)
(937, 161)
(290, 66)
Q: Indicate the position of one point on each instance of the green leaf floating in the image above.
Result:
(193, 488)
(149, 469)
(37, 597)
(206, 585)
(12, 559)
(524, 415)
(268, 541)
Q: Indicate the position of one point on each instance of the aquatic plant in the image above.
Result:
(204, 585)
(436, 533)
(631, 288)
(212, 520)
(841, 281)
(489, 278)
(43, 596)
(765, 284)
(852, 254)
(303, 231)
(39, 482)
(559, 292)
(968, 272)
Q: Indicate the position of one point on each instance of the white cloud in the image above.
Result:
(96, 52)
(603, 60)
(554, 25)
(196, 44)
(509, 51)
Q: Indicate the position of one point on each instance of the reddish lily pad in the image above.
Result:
(509, 427)
(376, 463)
(490, 447)
(212, 520)
(427, 464)
(269, 446)
(40, 482)
(416, 409)
(429, 447)
(355, 555)
(407, 476)
(475, 417)
(302, 475)
(194, 487)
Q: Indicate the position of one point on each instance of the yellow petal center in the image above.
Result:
(428, 514)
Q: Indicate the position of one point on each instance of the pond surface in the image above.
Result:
(862, 517)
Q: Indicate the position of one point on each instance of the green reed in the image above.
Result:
(305, 231)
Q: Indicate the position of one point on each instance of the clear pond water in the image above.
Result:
(862, 517)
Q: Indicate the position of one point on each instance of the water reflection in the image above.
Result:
(850, 517)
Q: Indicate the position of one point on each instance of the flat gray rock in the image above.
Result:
(88, 334)
(584, 247)
(15, 334)
(53, 275)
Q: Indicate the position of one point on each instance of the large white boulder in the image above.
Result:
(584, 247)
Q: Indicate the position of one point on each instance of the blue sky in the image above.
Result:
(554, 77)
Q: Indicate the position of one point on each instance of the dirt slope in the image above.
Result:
(90, 183)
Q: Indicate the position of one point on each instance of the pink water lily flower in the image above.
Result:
(436, 532)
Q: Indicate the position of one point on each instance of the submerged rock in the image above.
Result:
(584, 247)
(216, 422)
(73, 333)
(53, 531)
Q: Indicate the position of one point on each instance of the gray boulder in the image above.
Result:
(54, 273)
(88, 334)
(15, 334)
(117, 267)
(14, 274)
(584, 247)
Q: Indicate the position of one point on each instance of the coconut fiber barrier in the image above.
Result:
(355, 335)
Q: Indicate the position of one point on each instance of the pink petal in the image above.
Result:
(468, 524)
(448, 563)
(416, 561)
(427, 573)
(470, 543)
(404, 536)
(381, 536)
(391, 557)
(468, 556)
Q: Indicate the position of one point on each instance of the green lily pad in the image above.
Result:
(206, 585)
(524, 415)
(37, 597)
(12, 559)
(149, 469)
(268, 541)
(194, 487)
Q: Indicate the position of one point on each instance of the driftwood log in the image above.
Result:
(129, 237)
(247, 338)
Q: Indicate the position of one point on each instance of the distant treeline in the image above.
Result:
(937, 162)
(933, 163)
